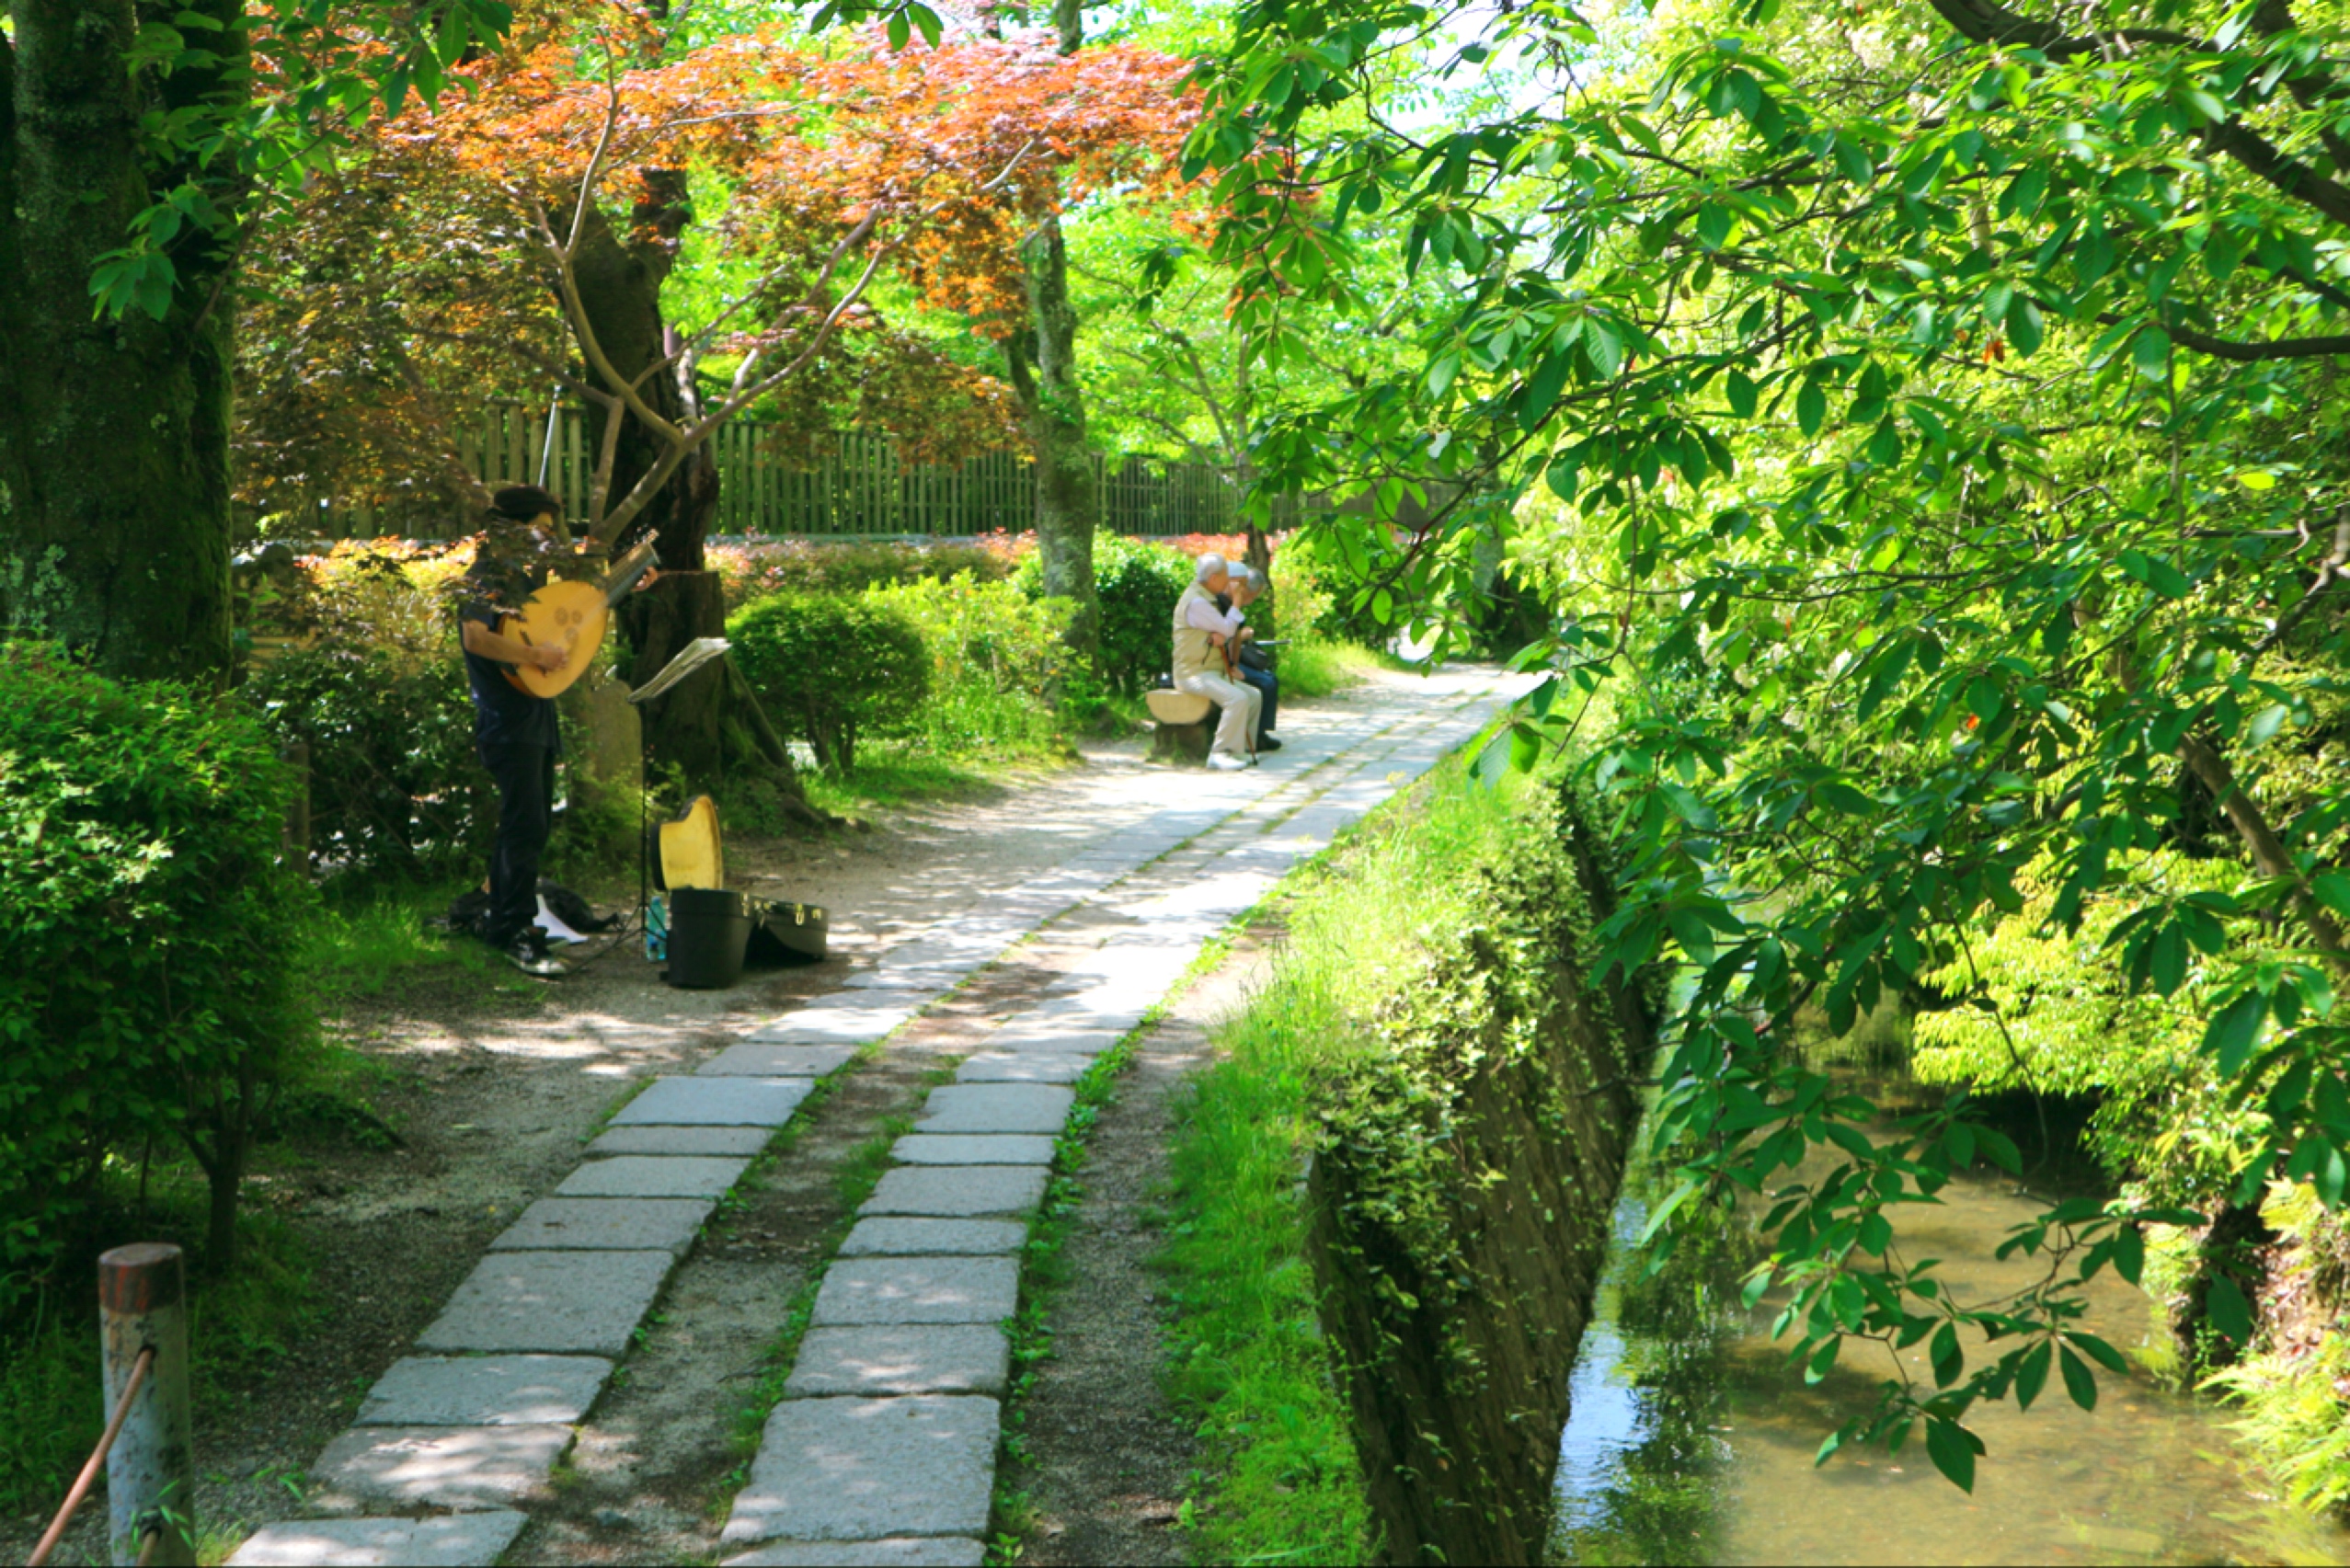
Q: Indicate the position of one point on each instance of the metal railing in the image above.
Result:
(150, 1464)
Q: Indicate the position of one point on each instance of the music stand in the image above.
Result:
(689, 658)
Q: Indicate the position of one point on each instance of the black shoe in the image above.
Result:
(1266, 743)
(528, 953)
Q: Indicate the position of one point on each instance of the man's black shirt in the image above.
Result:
(503, 713)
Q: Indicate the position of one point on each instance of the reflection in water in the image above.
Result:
(1691, 1440)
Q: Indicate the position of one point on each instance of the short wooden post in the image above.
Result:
(151, 1472)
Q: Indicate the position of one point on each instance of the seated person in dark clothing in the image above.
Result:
(515, 732)
(1255, 664)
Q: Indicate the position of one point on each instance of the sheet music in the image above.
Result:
(689, 658)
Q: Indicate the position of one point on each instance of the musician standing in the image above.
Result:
(1202, 633)
(515, 732)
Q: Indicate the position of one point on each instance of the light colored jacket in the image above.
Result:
(1193, 653)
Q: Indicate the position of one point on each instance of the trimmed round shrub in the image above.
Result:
(148, 936)
(395, 788)
(1137, 585)
(831, 669)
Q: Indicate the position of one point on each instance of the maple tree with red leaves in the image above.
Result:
(518, 235)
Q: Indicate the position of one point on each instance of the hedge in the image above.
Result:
(148, 933)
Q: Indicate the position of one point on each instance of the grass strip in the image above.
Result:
(1279, 1480)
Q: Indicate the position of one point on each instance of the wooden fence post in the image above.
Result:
(151, 1470)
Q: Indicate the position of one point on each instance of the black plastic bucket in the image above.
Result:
(708, 930)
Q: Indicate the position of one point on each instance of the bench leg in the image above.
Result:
(1180, 742)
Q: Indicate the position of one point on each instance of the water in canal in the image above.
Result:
(1691, 1440)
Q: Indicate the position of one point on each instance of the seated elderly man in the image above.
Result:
(1202, 633)
(1255, 665)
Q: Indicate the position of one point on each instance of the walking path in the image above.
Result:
(884, 1447)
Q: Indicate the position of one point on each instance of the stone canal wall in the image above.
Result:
(1461, 1190)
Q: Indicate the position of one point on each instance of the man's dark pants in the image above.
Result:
(1265, 681)
(526, 776)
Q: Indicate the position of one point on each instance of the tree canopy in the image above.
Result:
(1925, 417)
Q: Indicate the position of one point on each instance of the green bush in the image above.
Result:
(1138, 584)
(148, 934)
(395, 788)
(833, 670)
(995, 655)
(761, 569)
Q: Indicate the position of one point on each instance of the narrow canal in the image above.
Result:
(1691, 1440)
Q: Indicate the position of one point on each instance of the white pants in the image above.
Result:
(1239, 703)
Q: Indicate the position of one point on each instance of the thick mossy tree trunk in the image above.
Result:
(711, 724)
(114, 434)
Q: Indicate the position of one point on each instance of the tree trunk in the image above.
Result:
(710, 724)
(220, 1227)
(1043, 363)
(114, 434)
(620, 285)
(2268, 852)
(686, 727)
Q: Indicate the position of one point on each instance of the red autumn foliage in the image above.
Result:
(403, 289)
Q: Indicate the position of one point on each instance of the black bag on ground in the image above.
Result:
(472, 907)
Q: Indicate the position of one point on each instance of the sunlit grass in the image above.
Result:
(360, 946)
(1281, 1478)
(1311, 668)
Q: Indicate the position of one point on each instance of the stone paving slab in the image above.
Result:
(709, 1102)
(890, 1235)
(1072, 1015)
(607, 1224)
(843, 1469)
(653, 1176)
(954, 1192)
(898, 1552)
(736, 1140)
(776, 1061)
(831, 1025)
(925, 1359)
(553, 1301)
(485, 1391)
(972, 1149)
(1017, 1067)
(997, 1107)
(889, 976)
(460, 1540)
(918, 1291)
(940, 948)
(1046, 1036)
(442, 1467)
(1125, 965)
(1222, 893)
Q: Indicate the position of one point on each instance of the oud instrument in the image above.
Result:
(573, 617)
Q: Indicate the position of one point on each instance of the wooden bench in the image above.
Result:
(1183, 725)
